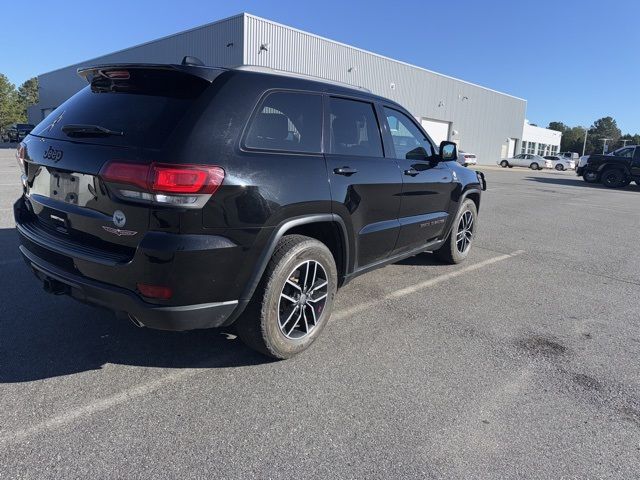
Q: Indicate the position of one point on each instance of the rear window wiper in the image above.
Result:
(90, 131)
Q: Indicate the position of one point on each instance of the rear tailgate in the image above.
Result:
(67, 200)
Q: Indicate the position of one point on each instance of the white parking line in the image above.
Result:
(419, 286)
(130, 394)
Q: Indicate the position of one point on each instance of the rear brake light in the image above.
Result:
(154, 291)
(185, 179)
(117, 74)
(176, 184)
(20, 151)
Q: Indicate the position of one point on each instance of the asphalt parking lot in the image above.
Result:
(520, 363)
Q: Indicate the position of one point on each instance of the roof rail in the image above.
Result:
(275, 71)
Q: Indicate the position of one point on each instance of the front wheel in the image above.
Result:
(504, 164)
(590, 177)
(293, 301)
(458, 244)
(559, 167)
(534, 166)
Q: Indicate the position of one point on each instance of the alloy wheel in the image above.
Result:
(465, 232)
(302, 299)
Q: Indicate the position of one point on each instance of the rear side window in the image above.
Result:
(288, 122)
(144, 104)
(354, 128)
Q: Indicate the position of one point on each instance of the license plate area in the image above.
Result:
(68, 187)
(64, 187)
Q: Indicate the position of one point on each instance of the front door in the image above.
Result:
(365, 186)
(427, 183)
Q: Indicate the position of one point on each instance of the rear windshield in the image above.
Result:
(145, 105)
(24, 126)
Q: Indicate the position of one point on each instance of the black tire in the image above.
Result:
(559, 167)
(449, 251)
(590, 177)
(504, 164)
(614, 178)
(259, 325)
(534, 166)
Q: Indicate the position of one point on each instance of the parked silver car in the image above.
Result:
(534, 162)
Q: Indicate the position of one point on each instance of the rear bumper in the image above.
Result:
(119, 300)
(579, 171)
(199, 269)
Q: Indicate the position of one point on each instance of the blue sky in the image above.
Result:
(574, 61)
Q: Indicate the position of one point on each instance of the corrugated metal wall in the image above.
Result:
(209, 43)
(484, 119)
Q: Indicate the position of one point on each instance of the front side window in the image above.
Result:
(354, 128)
(289, 122)
(408, 141)
(624, 152)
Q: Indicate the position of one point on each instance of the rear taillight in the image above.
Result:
(20, 151)
(186, 185)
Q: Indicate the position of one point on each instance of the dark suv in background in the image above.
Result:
(16, 132)
(182, 197)
(614, 170)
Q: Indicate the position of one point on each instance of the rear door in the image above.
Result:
(427, 184)
(365, 186)
(128, 118)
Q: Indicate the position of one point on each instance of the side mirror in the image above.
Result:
(448, 151)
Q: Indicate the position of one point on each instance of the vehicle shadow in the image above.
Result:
(578, 182)
(425, 259)
(43, 335)
(8, 146)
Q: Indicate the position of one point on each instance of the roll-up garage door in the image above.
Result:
(437, 129)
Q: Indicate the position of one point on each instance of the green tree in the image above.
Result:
(10, 106)
(605, 127)
(558, 127)
(28, 94)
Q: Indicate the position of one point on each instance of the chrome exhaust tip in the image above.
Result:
(135, 321)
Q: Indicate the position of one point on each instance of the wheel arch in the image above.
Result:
(327, 228)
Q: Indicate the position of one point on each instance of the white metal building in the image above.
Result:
(481, 120)
(539, 141)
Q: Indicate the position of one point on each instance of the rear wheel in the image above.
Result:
(504, 164)
(614, 178)
(534, 166)
(458, 244)
(559, 167)
(293, 301)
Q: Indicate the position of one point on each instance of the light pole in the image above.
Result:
(584, 145)
(624, 142)
(604, 145)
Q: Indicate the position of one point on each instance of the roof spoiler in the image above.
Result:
(188, 67)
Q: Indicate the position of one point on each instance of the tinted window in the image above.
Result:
(287, 121)
(354, 128)
(145, 106)
(624, 152)
(408, 141)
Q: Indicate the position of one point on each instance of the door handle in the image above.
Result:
(411, 172)
(345, 171)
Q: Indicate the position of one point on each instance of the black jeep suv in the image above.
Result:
(614, 170)
(183, 197)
